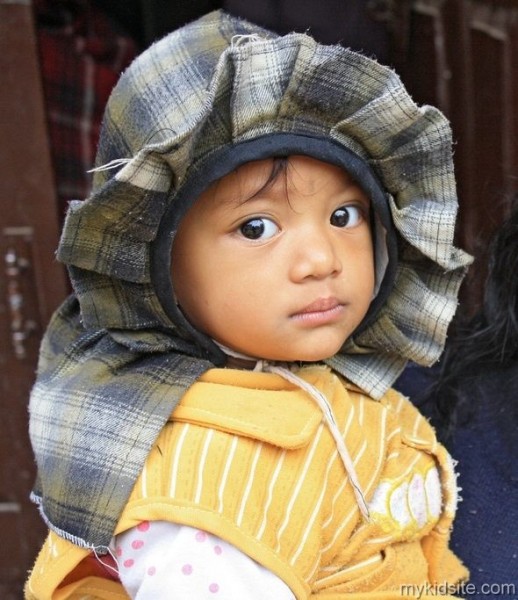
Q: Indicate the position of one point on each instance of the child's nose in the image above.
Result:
(315, 255)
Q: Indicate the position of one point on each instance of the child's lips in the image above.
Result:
(320, 305)
(321, 311)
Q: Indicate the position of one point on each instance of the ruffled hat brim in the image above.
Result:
(221, 82)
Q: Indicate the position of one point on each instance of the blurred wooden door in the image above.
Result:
(462, 56)
(31, 282)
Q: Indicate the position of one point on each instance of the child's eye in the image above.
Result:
(346, 216)
(259, 228)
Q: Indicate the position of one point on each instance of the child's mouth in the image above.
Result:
(320, 312)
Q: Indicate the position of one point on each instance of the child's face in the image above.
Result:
(283, 274)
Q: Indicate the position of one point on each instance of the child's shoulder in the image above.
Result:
(414, 427)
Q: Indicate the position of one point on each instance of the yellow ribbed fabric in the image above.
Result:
(247, 457)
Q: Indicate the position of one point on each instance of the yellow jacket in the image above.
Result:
(247, 457)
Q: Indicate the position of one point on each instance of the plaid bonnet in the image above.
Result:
(118, 355)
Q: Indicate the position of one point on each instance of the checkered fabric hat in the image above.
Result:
(220, 83)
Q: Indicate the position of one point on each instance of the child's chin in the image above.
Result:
(313, 357)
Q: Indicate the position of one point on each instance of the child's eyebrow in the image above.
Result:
(254, 196)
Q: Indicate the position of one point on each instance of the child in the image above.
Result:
(212, 415)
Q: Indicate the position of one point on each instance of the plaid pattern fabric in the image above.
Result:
(82, 56)
(108, 401)
(109, 377)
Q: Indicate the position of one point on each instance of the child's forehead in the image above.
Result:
(279, 174)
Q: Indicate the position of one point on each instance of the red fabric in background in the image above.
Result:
(82, 55)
